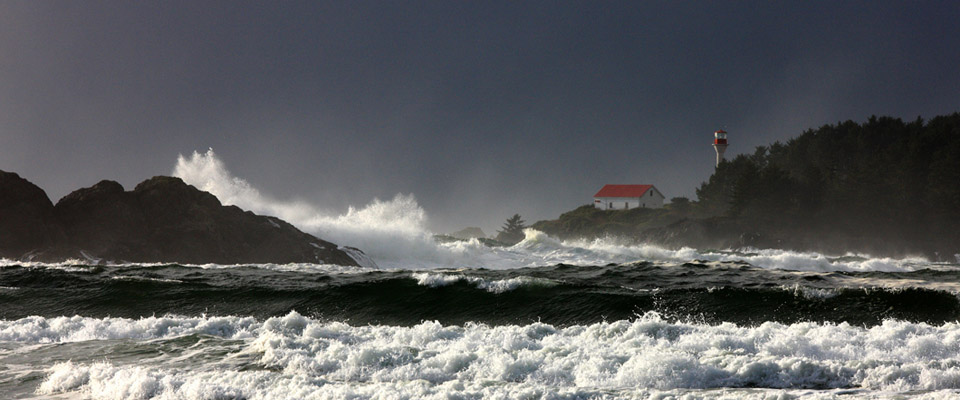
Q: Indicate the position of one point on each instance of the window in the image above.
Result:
(611, 205)
(626, 205)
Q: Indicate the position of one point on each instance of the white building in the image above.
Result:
(625, 197)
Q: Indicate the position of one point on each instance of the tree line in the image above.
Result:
(884, 180)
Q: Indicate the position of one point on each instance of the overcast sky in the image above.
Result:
(480, 109)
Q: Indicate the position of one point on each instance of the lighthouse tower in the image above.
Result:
(720, 144)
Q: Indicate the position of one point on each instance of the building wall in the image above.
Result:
(621, 203)
(616, 203)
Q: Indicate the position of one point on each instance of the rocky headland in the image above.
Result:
(883, 187)
(163, 219)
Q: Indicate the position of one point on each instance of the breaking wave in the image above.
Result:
(647, 355)
(389, 231)
(492, 286)
(394, 234)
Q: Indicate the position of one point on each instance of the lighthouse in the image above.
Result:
(720, 144)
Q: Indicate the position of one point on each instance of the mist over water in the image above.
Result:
(543, 319)
(394, 234)
(391, 231)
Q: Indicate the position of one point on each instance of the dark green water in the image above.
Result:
(559, 295)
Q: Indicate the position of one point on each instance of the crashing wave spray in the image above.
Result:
(208, 173)
(393, 233)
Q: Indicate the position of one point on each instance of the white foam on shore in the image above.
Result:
(648, 355)
(106, 381)
(763, 258)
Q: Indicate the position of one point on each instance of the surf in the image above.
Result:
(646, 355)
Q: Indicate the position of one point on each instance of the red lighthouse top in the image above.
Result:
(720, 137)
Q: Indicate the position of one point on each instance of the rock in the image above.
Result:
(162, 220)
(104, 220)
(510, 238)
(191, 225)
(706, 233)
(469, 233)
(27, 220)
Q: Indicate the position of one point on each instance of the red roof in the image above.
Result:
(623, 191)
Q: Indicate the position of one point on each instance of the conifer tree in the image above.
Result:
(512, 231)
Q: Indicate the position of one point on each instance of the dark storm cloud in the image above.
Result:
(481, 109)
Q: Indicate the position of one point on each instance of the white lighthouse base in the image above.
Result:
(720, 148)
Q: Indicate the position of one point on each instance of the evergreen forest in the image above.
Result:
(883, 181)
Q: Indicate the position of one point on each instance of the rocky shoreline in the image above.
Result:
(163, 219)
(674, 229)
(730, 233)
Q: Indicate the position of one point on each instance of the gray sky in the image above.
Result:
(481, 109)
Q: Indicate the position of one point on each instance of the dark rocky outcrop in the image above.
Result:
(27, 219)
(105, 221)
(672, 228)
(162, 220)
(707, 233)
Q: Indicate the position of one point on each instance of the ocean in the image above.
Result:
(543, 319)
(646, 323)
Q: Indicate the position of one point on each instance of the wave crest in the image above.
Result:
(493, 286)
(393, 231)
(648, 353)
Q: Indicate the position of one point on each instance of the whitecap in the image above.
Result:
(648, 355)
(492, 286)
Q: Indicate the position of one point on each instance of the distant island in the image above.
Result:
(162, 220)
(884, 187)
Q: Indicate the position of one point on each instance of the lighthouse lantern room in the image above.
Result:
(720, 144)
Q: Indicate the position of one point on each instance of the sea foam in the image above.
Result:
(645, 356)
(74, 329)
